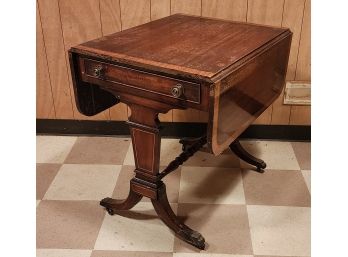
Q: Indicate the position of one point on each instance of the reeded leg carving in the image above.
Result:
(113, 205)
(237, 148)
(167, 215)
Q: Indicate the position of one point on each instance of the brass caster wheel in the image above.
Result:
(110, 211)
(261, 167)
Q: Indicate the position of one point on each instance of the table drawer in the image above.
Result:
(149, 82)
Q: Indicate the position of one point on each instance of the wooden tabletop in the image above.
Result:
(183, 45)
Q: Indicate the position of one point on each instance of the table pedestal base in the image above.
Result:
(144, 128)
(162, 208)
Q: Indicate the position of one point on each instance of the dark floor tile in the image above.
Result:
(276, 187)
(98, 150)
(68, 224)
(303, 154)
(224, 227)
(45, 173)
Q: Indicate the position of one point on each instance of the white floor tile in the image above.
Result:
(281, 231)
(135, 234)
(83, 182)
(53, 149)
(277, 155)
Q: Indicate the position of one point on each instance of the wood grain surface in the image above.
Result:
(301, 115)
(193, 7)
(245, 93)
(134, 12)
(234, 10)
(44, 107)
(54, 42)
(268, 12)
(80, 23)
(292, 18)
(110, 17)
(160, 9)
(245, 73)
(170, 45)
(102, 19)
(303, 69)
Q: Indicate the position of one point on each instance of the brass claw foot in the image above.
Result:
(193, 238)
(238, 150)
(167, 215)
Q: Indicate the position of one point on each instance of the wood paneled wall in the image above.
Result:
(64, 23)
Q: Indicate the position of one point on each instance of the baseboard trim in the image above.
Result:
(170, 129)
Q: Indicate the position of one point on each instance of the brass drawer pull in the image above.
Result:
(98, 71)
(177, 90)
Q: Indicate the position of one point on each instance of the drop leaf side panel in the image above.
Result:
(90, 99)
(239, 98)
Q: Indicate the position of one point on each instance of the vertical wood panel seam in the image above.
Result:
(299, 41)
(246, 14)
(298, 51)
(246, 18)
(201, 8)
(290, 115)
(150, 10)
(48, 68)
(151, 20)
(66, 61)
(100, 19)
(119, 6)
(271, 107)
(281, 24)
(102, 33)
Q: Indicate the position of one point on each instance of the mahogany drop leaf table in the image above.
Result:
(231, 70)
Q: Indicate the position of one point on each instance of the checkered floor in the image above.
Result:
(239, 212)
